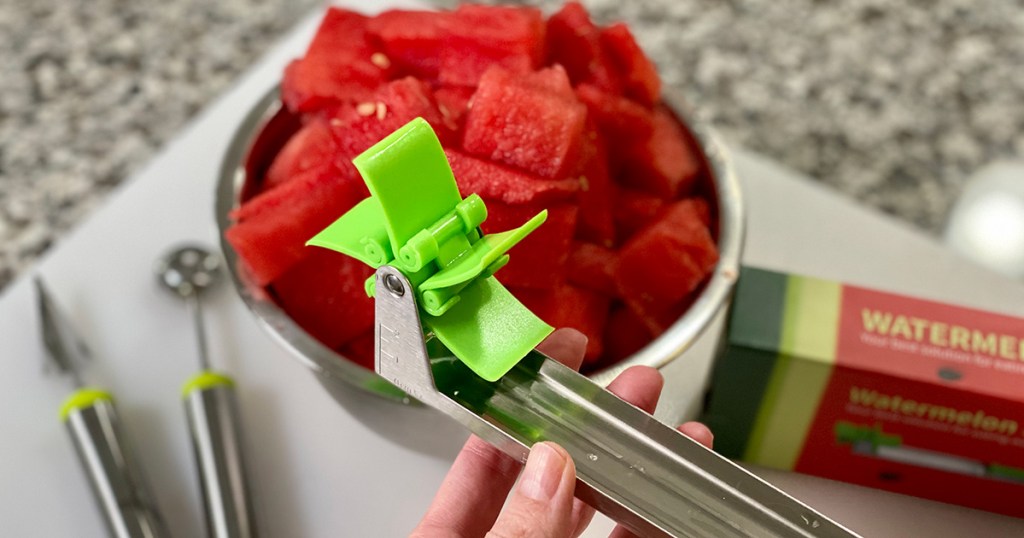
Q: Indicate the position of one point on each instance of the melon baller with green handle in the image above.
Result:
(124, 498)
(211, 405)
(435, 291)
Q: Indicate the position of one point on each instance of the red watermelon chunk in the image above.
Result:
(662, 264)
(360, 350)
(519, 125)
(636, 209)
(553, 80)
(358, 126)
(477, 37)
(308, 148)
(636, 71)
(622, 121)
(595, 199)
(664, 164)
(568, 306)
(324, 294)
(539, 260)
(657, 322)
(453, 104)
(495, 182)
(573, 41)
(341, 64)
(592, 267)
(624, 334)
(413, 40)
(341, 35)
(272, 228)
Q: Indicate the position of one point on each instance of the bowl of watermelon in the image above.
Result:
(644, 231)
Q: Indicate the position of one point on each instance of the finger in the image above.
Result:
(582, 515)
(541, 505)
(640, 386)
(698, 432)
(566, 346)
(472, 494)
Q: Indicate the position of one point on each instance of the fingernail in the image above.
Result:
(543, 473)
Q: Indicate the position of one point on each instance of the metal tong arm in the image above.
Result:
(634, 469)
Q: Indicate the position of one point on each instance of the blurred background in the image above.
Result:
(895, 103)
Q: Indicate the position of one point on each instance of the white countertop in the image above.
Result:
(368, 468)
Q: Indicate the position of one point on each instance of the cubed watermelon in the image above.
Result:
(637, 73)
(308, 148)
(413, 40)
(595, 223)
(520, 125)
(324, 294)
(664, 262)
(453, 104)
(358, 126)
(664, 163)
(622, 121)
(553, 80)
(272, 228)
(592, 267)
(493, 181)
(340, 65)
(539, 260)
(478, 37)
(636, 209)
(573, 41)
(360, 349)
(566, 305)
(657, 322)
(624, 334)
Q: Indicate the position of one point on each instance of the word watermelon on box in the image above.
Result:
(882, 390)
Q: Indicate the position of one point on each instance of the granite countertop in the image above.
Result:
(893, 103)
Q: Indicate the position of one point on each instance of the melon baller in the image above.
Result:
(451, 336)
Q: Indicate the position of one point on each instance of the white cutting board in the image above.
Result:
(368, 468)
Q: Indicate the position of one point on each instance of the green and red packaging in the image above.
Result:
(873, 388)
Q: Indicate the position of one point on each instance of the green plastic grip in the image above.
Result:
(416, 220)
(206, 379)
(425, 246)
(82, 399)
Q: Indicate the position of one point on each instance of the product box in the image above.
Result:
(873, 388)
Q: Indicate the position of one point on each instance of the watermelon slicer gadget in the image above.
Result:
(872, 441)
(416, 220)
(434, 274)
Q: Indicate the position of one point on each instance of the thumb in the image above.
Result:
(541, 504)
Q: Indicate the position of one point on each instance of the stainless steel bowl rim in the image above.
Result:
(331, 365)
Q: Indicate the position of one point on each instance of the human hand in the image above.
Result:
(470, 500)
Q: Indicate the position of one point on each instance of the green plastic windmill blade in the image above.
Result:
(416, 220)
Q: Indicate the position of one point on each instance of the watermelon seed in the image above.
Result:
(584, 184)
(382, 111)
(366, 109)
(380, 60)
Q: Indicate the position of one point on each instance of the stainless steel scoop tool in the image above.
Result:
(113, 469)
(636, 470)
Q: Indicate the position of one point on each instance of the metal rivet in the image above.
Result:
(394, 285)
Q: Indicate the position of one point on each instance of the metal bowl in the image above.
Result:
(268, 126)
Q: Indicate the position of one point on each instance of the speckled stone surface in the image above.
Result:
(891, 102)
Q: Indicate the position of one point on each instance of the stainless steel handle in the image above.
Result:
(638, 471)
(124, 498)
(214, 423)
